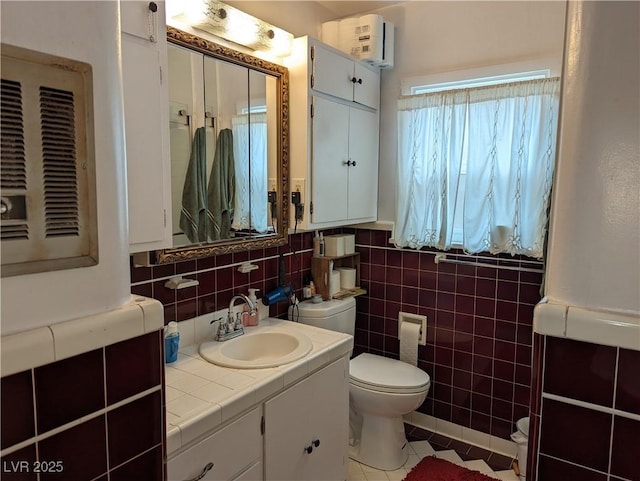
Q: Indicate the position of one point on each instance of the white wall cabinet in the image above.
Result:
(344, 77)
(146, 104)
(233, 453)
(306, 427)
(347, 163)
(334, 135)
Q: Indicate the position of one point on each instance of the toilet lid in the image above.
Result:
(385, 374)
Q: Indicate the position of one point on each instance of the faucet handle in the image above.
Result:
(222, 327)
(238, 323)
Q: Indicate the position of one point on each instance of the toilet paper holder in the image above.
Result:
(415, 319)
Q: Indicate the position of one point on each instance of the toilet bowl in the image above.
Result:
(381, 390)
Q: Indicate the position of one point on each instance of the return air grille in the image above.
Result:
(47, 171)
(13, 172)
(59, 162)
(12, 169)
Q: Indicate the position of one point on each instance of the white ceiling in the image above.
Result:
(346, 8)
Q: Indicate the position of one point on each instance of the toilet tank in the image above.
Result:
(335, 315)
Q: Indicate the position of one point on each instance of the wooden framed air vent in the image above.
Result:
(47, 170)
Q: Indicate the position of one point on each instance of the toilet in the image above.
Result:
(381, 390)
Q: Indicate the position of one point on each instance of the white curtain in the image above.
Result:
(430, 141)
(508, 153)
(250, 151)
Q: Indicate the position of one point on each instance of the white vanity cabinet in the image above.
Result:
(334, 135)
(306, 427)
(233, 453)
(144, 60)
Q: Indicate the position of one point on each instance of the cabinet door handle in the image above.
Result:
(349, 163)
(356, 80)
(205, 470)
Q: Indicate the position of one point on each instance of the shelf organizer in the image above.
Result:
(321, 272)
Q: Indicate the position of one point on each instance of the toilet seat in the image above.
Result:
(384, 374)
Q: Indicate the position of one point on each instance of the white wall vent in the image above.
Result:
(47, 171)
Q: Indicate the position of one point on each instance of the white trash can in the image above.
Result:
(521, 438)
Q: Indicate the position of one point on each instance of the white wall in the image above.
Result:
(88, 32)
(594, 244)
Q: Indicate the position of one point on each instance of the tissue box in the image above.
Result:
(349, 243)
(333, 245)
(339, 245)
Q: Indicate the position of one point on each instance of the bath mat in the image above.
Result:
(436, 469)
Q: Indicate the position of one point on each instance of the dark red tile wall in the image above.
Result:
(479, 334)
(111, 438)
(598, 439)
(479, 328)
(219, 279)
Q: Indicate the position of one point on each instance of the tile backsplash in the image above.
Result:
(479, 334)
(96, 414)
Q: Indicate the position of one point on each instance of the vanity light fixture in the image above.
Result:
(236, 26)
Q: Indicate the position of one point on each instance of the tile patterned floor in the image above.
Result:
(425, 443)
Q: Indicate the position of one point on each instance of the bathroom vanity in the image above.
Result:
(287, 422)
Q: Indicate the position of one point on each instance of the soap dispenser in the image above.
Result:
(250, 317)
(171, 342)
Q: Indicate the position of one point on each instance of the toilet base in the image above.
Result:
(382, 443)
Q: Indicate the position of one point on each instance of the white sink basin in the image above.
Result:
(257, 350)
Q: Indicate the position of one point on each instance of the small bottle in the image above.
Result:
(171, 342)
(321, 253)
(312, 288)
(251, 317)
(316, 245)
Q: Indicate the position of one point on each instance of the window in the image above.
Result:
(475, 165)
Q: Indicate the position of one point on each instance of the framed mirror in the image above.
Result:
(229, 138)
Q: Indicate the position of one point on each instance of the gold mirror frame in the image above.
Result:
(198, 44)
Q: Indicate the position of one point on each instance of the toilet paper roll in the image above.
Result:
(334, 282)
(347, 277)
(409, 337)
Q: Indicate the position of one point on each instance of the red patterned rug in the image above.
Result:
(436, 469)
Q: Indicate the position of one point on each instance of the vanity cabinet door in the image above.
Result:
(235, 452)
(306, 428)
(144, 61)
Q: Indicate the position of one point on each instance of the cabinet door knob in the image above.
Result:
(153, 7)
(309, 449)
(360, 81)
(356, 80)
(316, 443)
(349, 163)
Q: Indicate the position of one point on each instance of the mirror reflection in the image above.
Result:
(224, 149)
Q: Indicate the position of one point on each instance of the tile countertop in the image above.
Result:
(201, 396)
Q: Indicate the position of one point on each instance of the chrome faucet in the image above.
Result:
(233, 325)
